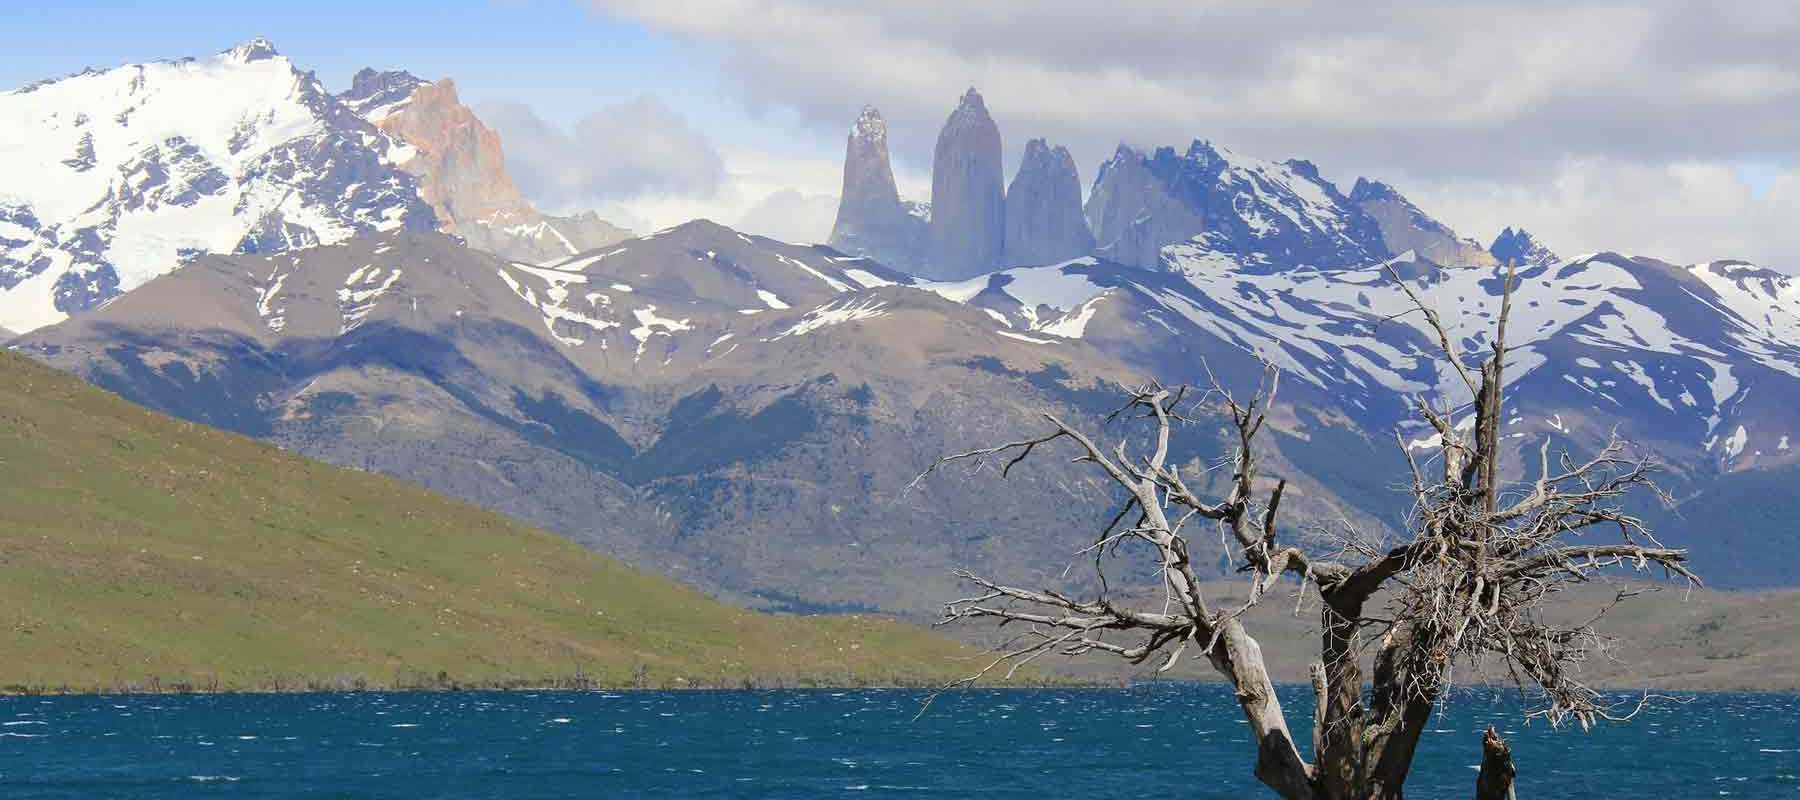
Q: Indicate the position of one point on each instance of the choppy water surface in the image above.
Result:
(1170, 741)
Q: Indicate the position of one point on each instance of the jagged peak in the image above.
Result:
(971, 101)
(257, 49)
(1514, 236)
(375, 94)
(1204, 154)
(1304, 168)
(368, 81)
(1200, 148)
(1518, 245)
(1040, 153)
(1367, 189)
(869, 125)
(971, 112)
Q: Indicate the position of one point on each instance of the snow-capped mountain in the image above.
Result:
(109, 178)
(713, 396)
(698, 401)
(1698, 360)
(1257, 214)
(377, 95)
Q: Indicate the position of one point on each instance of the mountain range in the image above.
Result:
(144, 553)
(746, 414)
(119, 175)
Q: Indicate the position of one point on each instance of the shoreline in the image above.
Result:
(149, 688)
(156, 688)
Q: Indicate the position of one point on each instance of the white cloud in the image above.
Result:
(618, 152)
(641, 165)
(793, 198)
(1593, 108)
(791, 216)
(1683, 211)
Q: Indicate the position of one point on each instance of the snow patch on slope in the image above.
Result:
(569, 323)
(834, 313)
(650, 324)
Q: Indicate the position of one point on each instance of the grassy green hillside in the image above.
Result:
(137, 550)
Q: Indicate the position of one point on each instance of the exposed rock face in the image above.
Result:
(461, 169)
(1249, 213)
(1044, 223)
(1133, 214)
(1405, 227)
(1520, 247)
(374, 95)
(968, 201)
(871, 220)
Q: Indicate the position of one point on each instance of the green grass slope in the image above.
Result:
(141, 551)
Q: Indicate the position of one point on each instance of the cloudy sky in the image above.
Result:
(1661, 128)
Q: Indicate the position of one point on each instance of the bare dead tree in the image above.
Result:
(1469, 583)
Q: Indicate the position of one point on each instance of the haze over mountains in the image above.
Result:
(743, 413)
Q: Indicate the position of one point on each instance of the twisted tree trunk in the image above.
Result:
(1464, 585)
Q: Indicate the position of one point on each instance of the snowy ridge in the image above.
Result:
(116, 176)
(695, 284)
(1626, 338)
(376, 95)
(1265, 215)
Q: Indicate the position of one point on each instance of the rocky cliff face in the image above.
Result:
(871, 220)
(1133, 214)
(968, 204)
(1044, 222)
(1250, 213)
(1405, 226)
(374, 95)
(461, 171)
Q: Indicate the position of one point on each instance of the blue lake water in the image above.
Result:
(1168, 741)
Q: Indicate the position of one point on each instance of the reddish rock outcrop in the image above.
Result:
(461, 167)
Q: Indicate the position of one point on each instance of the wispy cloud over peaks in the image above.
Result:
(1457, 96)
(612, 155)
